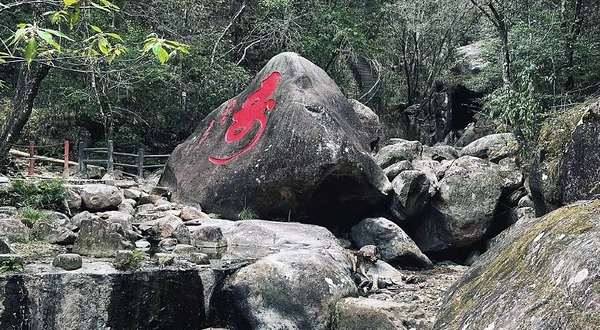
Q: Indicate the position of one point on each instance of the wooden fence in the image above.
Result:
(109, 160)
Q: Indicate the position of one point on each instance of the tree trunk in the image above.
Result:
(571, 38)
(506, 74)
(28, 86)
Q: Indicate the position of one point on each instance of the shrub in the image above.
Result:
(31, 215)
(47, 194)
(247, 214)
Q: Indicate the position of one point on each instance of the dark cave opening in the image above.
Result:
(465, 104)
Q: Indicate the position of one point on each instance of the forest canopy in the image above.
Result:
(145, 73)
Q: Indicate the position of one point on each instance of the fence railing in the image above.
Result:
(32, 156)
(109, 161)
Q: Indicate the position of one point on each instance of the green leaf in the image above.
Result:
(160, 53)
(99, 7)
(95, 28)
(18, 35)
(109, 4)
(31, 51)
(71, 2)
(2, 61)
(114, 36)
(104, 46)
(74, 15)
(47, 37)
(58, 34)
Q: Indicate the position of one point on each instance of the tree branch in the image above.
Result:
(214, 50)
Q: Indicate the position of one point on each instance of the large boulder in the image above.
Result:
(289, 146)
(392, 242)
(369, 314)
(100, 197)
(565, 166)
(541, 274)
(101, 238)
(462, 212)
(494, 147)
(13, 229)
(370, 121)
(398, 151)
(411, 195)
(294, 290)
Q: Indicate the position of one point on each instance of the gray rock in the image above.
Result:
(51, 232)
(78, 218)
(307, 109)
(169, 226)
(11, 262)
(167, 244)
(5, 247)
(191, 213)
(7, 211)
(411, 195)
(430, 168)
(441, 152)
(127, 206)
(495, 147)
(99, 197)
(124, 219)
(74, 201)
(14, 230)
(392, 171)
(68, 261)
(369, 314)
(132, 193)
(383, 270)
(97, 296)
(184, 249)
(295, 289)
(516, 214)
(472, 258)
(127, 260)
(370, 121)
(464, 208)
(542, 273)
(392, 242)
(210, 240)
(525, 202)
(101, 238)
(401, 150)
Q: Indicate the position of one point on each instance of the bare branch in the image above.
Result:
(214, 50)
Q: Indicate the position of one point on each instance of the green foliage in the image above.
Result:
(11, 264)
(130, 263)
(518, 108)
(29, 216)
(38, 195)
(247, 214)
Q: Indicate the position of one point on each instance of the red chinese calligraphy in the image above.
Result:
(253, 111)
(205, 135)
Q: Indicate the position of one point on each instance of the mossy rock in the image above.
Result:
(566, 137)
(541, 274)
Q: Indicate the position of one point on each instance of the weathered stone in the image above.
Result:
(51, 232)
(464, 209)
(74, 200)
(167, 244)
(127, 206)
(164, 259)
(494, 147)
(525, 202)
(441, 152)
(383, 270)
(392, 242)
(516, 214)
(472, 258)
(99, 197)
(68, 261)
(97, 296)
(192, 213)
(430, 168)
(169, 226)
(411, 195)
(10, 262)
(78, 218)
(127, 260)
(370, 122)
(14, 230)
(101, 238)
(124, 219)
(184, 249)
(5, 246)
(301, 121)
(295, 289)
(7, 211)
(397, 152)
(368, 314)
(542, 273)
(392, 171)
(148, 199)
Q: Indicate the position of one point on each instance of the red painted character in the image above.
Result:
(253, 111)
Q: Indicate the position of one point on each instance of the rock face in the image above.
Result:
(100, 238)
(96, 197)
(463, 210)
(392, 243)
(289, 146)
(565, 168)
(541, 274)
(99, 297)
(411, 195)
(494, 147)
(14, 230)
(368, 314)
(370, 122)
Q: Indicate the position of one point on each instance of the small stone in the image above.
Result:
(148, 199)
(168, 244)
(68, 261)
(191, 213)
(5, 246)
(127, 260)
(184, 249)
(526, 202)
(99, 197)
(164, 259)
(74, 201)
(142, 244)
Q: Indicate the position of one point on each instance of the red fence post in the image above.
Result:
(31, 158)
(66, 166)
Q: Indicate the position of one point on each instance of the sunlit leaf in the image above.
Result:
(58, 34)
(31, 51)
(95, 5)
(114, 36)
(71, 2)
(104, 46)
(47, 37)
(109, 4)
(95, 28)
(160, 53)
